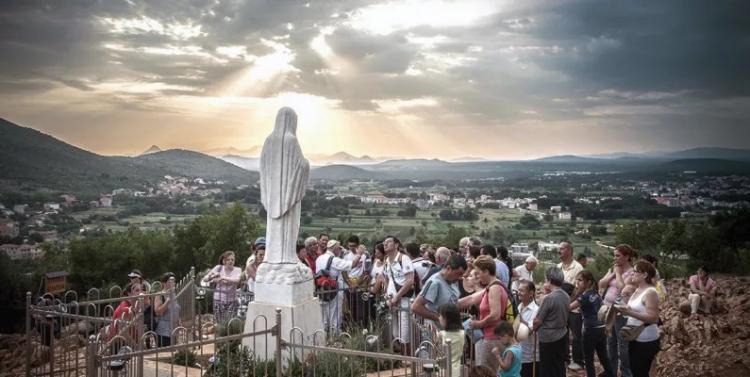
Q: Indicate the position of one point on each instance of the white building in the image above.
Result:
(547, 246)
(105, 201)
(16, 252)
(566, 216)
(519, 248)
(51, 206)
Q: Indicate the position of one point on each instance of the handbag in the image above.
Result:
(630, 333)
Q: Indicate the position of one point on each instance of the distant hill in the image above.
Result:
(31, 159)
(253, 151)
(410, 164)
(153, 149)
(709, 165)
(339, 158)
(711, 153)
(568, 159)
(247, 163)
(194, 164)
(343, 172)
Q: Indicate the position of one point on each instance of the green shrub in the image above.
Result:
(184, 358)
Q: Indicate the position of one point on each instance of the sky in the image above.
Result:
(437, 79)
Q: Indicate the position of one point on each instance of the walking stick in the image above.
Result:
(533, 364)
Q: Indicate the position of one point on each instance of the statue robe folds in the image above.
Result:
(284, 174)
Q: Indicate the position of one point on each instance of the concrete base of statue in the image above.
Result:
(299, 309)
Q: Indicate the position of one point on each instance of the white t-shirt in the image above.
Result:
(337, 265)
(571, 271)
(376, 270)
(397, 270)
(359, 270)
(523, 274)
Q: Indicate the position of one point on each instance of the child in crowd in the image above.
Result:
(594, 338)
(450, 320)
(510, 354)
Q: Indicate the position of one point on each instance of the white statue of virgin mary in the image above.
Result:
(284, 174)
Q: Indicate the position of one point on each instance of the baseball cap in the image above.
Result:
(260, 241)
(135, 273)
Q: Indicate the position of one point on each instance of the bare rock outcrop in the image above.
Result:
(716, 344)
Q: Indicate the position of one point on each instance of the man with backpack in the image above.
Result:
(327, 283)
(440, 289)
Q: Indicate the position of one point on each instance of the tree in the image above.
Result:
(529, 221)
(454, 235)
(409, 211)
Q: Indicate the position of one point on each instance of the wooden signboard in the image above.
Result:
(55, 282)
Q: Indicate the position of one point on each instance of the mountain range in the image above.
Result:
(30, 159)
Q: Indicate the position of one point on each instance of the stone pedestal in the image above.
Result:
(298, 309)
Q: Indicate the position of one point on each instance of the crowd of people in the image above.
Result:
(495, 315)
(466, 295)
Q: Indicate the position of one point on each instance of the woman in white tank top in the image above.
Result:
(643, 307)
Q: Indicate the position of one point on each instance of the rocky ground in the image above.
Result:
(717, 344)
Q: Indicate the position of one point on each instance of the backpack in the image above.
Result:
(414, 288)
(511, 310)
(325, 286)
(432, 271)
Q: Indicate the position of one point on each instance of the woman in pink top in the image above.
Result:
(227, 277)
(702, 290)
(492, 301)
(614, 282)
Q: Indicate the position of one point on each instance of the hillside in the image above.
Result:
(712, 165)
(30, 159)
(343, 172)
(193, 164)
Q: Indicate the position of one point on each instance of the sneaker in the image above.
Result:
(574, 366)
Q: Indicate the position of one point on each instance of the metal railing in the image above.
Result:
(66, 337)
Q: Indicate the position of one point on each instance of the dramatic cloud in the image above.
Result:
(430, 78)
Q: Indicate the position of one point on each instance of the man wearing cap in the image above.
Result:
(331, 310)
(136, 276)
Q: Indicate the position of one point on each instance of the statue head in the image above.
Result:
(286, 120)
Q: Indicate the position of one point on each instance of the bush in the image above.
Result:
(184, 358)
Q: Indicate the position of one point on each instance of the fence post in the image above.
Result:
(28, 334)
(91, 356)
(278, 342)
(448, 361)
(51, 346)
